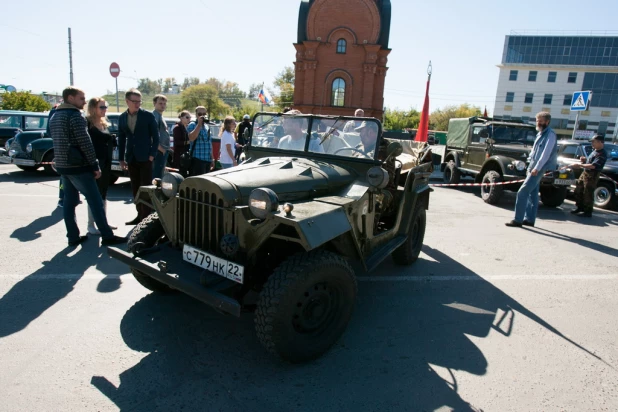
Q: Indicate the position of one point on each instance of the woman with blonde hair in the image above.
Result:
(226, 154)
(103, 142)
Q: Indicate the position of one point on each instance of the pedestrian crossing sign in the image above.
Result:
(579, 101)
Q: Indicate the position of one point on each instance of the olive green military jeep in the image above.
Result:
(494, 151)
(276, 234)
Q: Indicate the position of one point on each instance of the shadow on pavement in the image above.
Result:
(33, 230)
(27, 177)
(582, 242)
(198, 359)
(32, 296)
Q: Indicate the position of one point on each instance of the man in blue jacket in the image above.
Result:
(542, 158)
(138, 142)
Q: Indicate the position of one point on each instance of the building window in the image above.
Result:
(572, 77)
(567, 99)
(513, 76)
(510, 96)
(602, 129)
(338, 96)
(566, 51)
(547, 99)
(551, 77)
(582, 125)
(532, 76)
(341, 46)
(525, 119)
(529, 97)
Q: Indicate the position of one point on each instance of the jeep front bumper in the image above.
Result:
(167, 266)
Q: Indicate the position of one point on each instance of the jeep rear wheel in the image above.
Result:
(452, 175)
(407, 253)
(603, 195)
(305, 305)
(489, 192)
(146, 235)
(553, 196)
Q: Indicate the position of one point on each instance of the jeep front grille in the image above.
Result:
(202, 219)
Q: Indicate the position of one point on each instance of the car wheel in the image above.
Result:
(305, 305)
(452, 175)
(28, 168)
(603, 195)
(146, 235)
(407, 253)
(491, 194)
(49, 168)
(553, 196)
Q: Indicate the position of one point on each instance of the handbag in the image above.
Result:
(185, 162)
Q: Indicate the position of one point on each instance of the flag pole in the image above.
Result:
(423, 125)
(260, 99)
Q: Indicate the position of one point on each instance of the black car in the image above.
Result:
(30, 151)
(606, 193)
(15, 121)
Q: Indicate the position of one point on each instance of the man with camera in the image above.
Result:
(587, 182)
(202, 160)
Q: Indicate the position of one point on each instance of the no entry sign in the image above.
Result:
(114, 69)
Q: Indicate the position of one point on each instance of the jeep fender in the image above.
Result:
(454, 156)
(497, 163)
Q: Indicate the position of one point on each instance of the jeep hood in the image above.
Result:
(292, 179)
(516, 151)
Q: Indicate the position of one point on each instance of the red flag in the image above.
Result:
(423, 126)
(485, 112)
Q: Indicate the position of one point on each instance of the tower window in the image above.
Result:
(338, 95)
(341, 46)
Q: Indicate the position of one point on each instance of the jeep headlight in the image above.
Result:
(262, 202)
(29, 148)
(170, 184)
(519, 165)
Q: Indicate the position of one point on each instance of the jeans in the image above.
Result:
(158, 166)
(199, 167)
(140, 174)
(527, 201)
(226, 165)
(83, 183)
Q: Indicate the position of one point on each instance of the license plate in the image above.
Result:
(221, 267)
(563, 176)
(117, 167)
(564, 182)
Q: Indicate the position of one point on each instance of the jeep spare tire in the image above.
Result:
(452, 175)
(553, 196)
(305, 305)
(490, 192)
(146, 235)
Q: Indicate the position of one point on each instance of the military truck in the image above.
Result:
(276, 235)
(493, 151)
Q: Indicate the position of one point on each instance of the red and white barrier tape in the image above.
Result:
(477, 184)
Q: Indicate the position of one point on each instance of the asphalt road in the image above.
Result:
(490, 318)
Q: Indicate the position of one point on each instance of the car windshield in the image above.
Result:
(338, 136)
(511, 134)
(10, 121)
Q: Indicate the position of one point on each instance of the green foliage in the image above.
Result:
(284, 83)
(147, 86)
(204, 95)
(243, 109)
(190, 81)
(168, 83)
(23, 101)
(438, 120)
(401, 119)
(254, 90)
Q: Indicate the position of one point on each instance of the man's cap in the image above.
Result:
(599, 137)
(246, 117)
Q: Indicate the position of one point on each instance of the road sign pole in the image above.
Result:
(117, 105)
(575, 125)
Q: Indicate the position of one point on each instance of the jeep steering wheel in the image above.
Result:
(353, 149)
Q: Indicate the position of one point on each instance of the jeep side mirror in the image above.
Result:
(394, 149)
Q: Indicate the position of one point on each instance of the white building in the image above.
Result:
(541, 73)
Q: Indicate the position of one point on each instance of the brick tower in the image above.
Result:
(341, 56)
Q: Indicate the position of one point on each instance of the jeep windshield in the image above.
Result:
(334, 136)
(503, 134)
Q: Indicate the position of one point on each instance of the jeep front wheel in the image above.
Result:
(407, 253)
(305, 305)
(452, 175)
(553, 196)
(146, 235)
(490, 192)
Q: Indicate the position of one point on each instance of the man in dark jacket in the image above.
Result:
(78, 166)
(139, 134)
(587, 182)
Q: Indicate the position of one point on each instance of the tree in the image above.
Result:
(438, 120)
(400, 119)
(284, 84)
(190, 81)
(147, 86)
(254, 90)
(23, 101)
(231, 94)
(204, 95)
(168, 83)
(245, 108)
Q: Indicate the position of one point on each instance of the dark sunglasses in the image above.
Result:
(187, 117)
(201, 114)
(103, 107)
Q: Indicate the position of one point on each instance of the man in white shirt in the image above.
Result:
(295, 135)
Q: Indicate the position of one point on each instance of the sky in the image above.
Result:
(251, 41)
